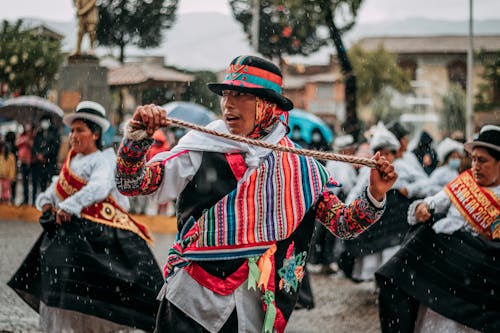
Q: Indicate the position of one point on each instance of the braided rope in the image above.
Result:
(306, 152)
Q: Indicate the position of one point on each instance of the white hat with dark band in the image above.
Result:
(88, 110)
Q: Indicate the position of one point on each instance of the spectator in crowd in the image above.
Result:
(297, 137)
(10, 141)
(7, 172)
(24, 144)
(450, 154)
(46, 146)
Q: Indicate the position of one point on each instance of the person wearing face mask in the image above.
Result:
(445, 276)
(245, 214)
(45, 150)
(450, 154)
(296, 136)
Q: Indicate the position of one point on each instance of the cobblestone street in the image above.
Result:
(341, 306)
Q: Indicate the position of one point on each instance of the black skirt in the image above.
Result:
(389, 231)
(457, 275)
(93, 269)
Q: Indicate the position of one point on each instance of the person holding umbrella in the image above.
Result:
(91, 270)
(245, 214)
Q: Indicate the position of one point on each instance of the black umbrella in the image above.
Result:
(30, 109)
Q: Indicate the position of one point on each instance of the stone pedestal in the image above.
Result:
(82, 78)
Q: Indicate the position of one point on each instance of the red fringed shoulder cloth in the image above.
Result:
(106, 212)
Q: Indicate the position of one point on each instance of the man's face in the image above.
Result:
(238, 111)
(485, 168)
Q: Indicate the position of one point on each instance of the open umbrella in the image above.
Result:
(29, 109)
(307, 123)
(190, 112)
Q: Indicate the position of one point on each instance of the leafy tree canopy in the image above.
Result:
(134, 22)
(453, 112)
(28, 61)
(374, 71)
(292, 26)
(488, 93)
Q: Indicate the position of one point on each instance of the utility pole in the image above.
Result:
(255, 24)
(470, 49)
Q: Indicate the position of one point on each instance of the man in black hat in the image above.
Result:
(245, 214)
(445, 277)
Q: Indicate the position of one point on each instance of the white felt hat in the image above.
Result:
(447, 146)
(382, 138)
(89, 110)
(343, 142)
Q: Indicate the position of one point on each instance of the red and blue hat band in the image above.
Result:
(252, 77)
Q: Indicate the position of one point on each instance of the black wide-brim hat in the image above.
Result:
(256, 76)
(489, 137)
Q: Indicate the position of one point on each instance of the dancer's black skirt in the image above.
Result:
(389, 231)
(93, 269)
(455, 275)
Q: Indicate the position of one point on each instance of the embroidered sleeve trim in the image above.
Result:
(347, 221)
(133, 175)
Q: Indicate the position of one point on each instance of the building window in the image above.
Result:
(409, 66)
(324, 91)
(457, 72)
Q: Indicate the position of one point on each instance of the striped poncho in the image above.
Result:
(267, 206)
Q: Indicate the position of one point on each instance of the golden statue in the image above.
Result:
(88, 17)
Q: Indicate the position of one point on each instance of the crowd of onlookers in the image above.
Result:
(30, 157)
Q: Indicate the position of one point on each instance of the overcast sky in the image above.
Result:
(371, 11)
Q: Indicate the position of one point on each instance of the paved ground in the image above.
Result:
(341, 306)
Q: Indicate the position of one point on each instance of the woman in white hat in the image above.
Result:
(364, 254)
(91, 270)
(445, 276)
(450, 153)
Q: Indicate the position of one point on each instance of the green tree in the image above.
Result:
(28, 62)
(453, 112)
(382, 108)
(293, 26)
(375, 70)
(134, 22)
(488, 93)
(285, 27)
(348, 11)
